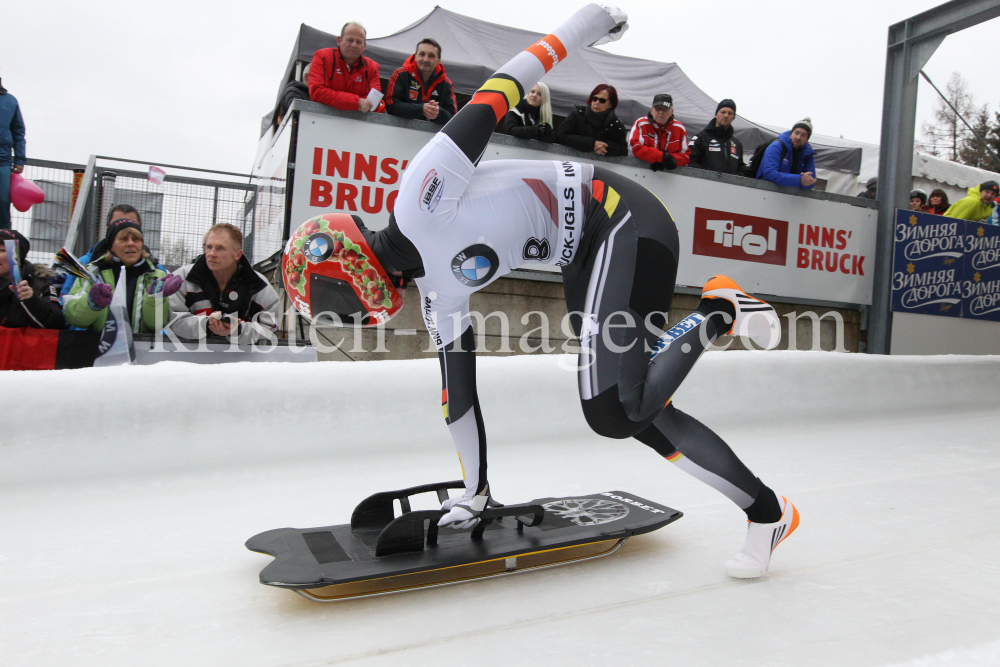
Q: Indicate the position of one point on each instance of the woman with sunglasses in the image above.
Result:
(595, 128)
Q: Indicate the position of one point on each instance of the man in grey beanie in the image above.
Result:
(790, 160)
(716, 148)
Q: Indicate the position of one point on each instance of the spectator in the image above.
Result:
(341, 77)
(976, 205)
(33, 302)
(595, 128)
(222, 283)
(117, 212)
(716, 148)
(790, 160)
(918, 201)
(293, 90)
(145, 287)
(421, 88)
(939, 201)
(532, 117)
(11, 141)
(659, 138)
(871, 189)
(994, 217)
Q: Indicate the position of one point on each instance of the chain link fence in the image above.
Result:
(175, 213)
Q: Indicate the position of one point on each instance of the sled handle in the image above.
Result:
(406, 533)
(375, 512)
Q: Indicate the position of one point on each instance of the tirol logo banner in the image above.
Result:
(737, 236)
(948, 267)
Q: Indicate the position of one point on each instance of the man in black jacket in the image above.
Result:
(716, 148)
(222, 295)
(33, 302)
(421, 88)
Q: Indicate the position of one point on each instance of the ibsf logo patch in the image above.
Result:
(475, 265)
(741, 237)
(431, 191)
(318, 247)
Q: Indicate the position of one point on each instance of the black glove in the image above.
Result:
(657, 166)
(668, 162)
(543, 132)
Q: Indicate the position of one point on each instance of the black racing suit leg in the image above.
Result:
(618, 291)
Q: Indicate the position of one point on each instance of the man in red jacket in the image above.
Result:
(659, 138)
(420, 88)
(341, 77)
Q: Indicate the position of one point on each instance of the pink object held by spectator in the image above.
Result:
(24, 193)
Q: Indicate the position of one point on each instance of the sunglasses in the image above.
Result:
(602, 100)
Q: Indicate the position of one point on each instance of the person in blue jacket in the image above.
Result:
(11, 141)
(790, 160)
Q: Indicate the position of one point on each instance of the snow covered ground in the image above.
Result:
(126, 495)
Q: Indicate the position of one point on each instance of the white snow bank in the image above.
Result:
(126, 495)
(176, 415)
(987, 655)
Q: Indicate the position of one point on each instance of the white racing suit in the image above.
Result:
(472, 223)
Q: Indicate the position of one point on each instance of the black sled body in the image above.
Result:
(379, 553)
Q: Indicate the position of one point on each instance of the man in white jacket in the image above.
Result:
(222, 295)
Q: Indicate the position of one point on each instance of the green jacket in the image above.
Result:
(970, 208)
(79, 314)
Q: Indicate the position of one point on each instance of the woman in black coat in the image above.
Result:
(595, 128)
(532, 117)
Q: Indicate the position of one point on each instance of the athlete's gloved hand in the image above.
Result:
(100, 296)
(165, 286)
(463, 512)
(621, 25)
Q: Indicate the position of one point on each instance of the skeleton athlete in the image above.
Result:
(459, 225)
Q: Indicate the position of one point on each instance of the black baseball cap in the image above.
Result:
(663, 100)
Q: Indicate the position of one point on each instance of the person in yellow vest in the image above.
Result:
(978, 204)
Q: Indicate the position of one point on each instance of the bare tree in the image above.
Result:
(946, 136)
(973, 152)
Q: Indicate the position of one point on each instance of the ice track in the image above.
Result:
(126, 495)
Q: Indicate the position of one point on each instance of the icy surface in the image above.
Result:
(126, 495)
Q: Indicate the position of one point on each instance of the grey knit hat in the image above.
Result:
(806, 124)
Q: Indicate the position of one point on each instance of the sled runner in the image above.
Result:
(379, 553)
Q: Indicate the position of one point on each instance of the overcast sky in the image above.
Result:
(187, 82)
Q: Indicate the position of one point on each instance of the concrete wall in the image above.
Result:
(930, 334)
(405, 337)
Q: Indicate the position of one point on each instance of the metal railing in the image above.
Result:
(175, 213)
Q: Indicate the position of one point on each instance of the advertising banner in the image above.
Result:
(946, 267)
(981, 292)
(769, 243)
